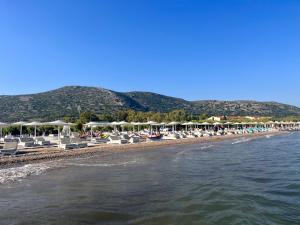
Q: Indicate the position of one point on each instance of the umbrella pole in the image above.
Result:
(21, 131)
(91, 133)
(34, 131)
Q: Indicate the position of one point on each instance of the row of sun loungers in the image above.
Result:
(11, 144)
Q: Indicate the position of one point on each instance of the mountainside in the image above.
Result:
(71, 100)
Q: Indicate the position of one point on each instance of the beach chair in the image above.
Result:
(134, 139)
(41, 141)
(99, 140)
(65, 143)
(10, 148)
(114, 139)
(78, 143)
(26, 142)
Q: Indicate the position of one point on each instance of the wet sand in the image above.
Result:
(47, 154)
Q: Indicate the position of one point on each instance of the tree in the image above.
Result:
(86, 117)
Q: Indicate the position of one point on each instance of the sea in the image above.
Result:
(240, 181)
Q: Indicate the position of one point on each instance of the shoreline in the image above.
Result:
(51, 154)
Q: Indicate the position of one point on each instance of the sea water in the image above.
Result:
(242, 181)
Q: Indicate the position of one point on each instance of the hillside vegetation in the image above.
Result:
(71, 100)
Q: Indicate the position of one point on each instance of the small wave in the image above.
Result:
(206, 147)
(242, 140)
(194, 149)
(17, 173)
(269, 135)
(104, 164)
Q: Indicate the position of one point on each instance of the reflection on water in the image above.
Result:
(246, 181)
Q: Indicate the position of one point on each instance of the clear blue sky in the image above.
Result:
(210, 49)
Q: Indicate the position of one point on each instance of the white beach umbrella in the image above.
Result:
(186, 124)
(91, 125)
(21, 124)
(173, 124)
(205, 124)
(138, 124)
(34, 124)
(114, 124)
(228, 124)
(237, 124)
(58, 123)
(122, 124)
(151, 123)
(133, 125)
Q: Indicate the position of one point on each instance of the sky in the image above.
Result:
(214, 49)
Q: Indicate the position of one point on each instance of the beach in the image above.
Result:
(48, 154)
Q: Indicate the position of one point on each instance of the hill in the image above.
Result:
(71, 100)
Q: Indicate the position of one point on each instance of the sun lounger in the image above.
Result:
(71, 143)
(10, 148)
(41, 141)
(65, 143)
(113, 139)
(26, 142)
(134, 139)
(78, 143)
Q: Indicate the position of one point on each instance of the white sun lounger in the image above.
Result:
(10, 148)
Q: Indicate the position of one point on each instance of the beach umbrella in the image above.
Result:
(173, 124)
(205, 124)
(122, 124)
(34, 124)
(114, 125)
(228, 124)
(237, 124)
(244, 123)
(136, 124)
(162, 124)
(151, 123)
(191, 124)
(58, 123)
(21, 124)
(217, 124)
(91, 125)
(133, 125)
(188, 124)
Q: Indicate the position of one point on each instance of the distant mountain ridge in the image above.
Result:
(71, 100)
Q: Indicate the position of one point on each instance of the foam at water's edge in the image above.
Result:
(17, 173)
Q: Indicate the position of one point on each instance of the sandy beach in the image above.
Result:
(47, 154)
